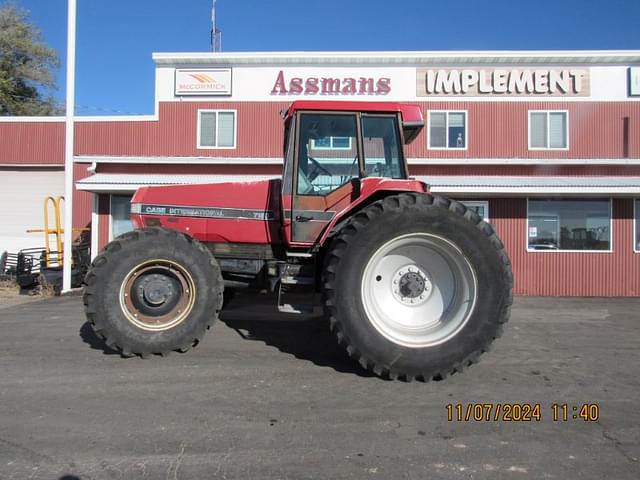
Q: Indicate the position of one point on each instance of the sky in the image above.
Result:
(115, 38)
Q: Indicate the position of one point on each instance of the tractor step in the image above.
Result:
(297, 288)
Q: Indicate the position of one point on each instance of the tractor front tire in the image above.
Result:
(416, 286)
(153, 291)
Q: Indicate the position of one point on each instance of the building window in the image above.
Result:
(120, 215)
(331, 143)
(548, 130)
(216, 129)
(480, 207)
(569, 224)
(447, 130)
(636, 226)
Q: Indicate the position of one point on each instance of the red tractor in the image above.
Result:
(415, 286)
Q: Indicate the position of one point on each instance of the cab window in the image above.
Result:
(327, 154)
(382, 147)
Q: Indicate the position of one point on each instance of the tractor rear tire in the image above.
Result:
(153, 291)
(416, 286)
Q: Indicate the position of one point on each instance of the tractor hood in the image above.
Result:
(243, 212)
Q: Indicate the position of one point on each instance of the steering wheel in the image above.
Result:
(345, 178)
(318, 169)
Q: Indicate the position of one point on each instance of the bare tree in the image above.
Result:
(26, 66)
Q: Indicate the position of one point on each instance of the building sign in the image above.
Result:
(553, 82)
(210, 81)
(325, 85)
(634, 81)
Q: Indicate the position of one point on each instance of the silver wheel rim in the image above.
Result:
(418, 290)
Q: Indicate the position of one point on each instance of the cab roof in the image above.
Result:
(411, 114)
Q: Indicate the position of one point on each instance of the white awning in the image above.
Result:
(121, 182)
(451, 185)
(527, 185)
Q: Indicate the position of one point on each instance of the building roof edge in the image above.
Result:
(402, 57)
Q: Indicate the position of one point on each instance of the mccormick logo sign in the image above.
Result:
(203, 82)
(554, 82)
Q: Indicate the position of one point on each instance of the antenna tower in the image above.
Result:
(216, 35)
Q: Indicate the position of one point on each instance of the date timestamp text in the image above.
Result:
(521, 412)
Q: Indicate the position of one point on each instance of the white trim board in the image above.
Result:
(411, 161)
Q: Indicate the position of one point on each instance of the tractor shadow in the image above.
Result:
(256, 318)
(89, 337)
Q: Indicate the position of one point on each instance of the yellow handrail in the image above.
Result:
(57, 231)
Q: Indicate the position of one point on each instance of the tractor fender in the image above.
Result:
(371, 189)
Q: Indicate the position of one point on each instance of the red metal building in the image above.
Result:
(544, 145)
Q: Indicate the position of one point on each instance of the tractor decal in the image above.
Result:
(206, 212)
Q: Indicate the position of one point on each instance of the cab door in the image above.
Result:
(327, 167)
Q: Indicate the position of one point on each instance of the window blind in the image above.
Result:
(226, 121)
(207, 129)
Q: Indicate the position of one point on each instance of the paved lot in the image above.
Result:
(274, 398)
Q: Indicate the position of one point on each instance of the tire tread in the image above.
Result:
(350, 232)
(101, 263)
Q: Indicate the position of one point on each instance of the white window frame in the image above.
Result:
(331, 147)
(217, 112)
(466, 130)
(635, 213)
(544, 149)
(532, 250)
(478, 203)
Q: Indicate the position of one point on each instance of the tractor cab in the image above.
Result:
(330, 149)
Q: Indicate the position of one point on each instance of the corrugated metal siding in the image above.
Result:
(496, 130)
(569, 273)
(259, 132)
(500, 130)
(40, 143)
